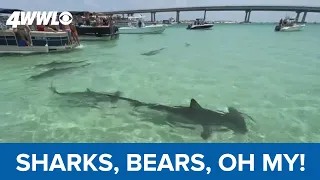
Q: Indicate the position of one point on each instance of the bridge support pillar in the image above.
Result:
(297, 17)
(204, 16)
(304, 17)
(178, 17)
(153, 17)
(247, 17)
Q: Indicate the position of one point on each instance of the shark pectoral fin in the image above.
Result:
(206, 133)
(194, 104)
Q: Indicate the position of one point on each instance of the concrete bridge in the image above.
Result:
(246, 9)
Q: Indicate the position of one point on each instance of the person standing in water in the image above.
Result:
(74, 33)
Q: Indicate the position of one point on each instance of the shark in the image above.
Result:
(193, 114)
(58, 63)
(153, 52)
(89, 94)
(54, 71)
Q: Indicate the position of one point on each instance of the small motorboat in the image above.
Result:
(136, 25)
(200, 24)
(169, 22)
(288, 25)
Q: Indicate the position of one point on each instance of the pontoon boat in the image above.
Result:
(90, 32)
(97, 32)
(41, 41)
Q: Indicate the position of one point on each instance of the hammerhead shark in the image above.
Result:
(193, 114)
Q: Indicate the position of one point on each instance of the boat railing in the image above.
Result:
(38, 38)
(3, 26)
(136, 23)
(41, 38)
(8, 38)
(140, 17)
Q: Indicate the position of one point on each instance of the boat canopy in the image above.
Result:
(8, 11)
(136, 17)
(289, 20)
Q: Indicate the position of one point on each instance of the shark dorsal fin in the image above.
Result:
(233, 110)
(88, 90)
(194, 104)
(117, 94)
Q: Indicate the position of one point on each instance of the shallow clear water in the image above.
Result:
(273, 77)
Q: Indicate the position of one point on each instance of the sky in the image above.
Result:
(113, 5)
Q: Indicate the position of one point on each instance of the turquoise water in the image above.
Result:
(273, 77)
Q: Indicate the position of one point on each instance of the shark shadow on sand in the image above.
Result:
(193, 114)
(54, 71)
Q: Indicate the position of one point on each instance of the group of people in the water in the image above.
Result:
(22, 32)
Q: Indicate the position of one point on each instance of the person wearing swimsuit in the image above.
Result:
(87, 19)
(74, 33)
(22, 36)
(40, 28)
(68, 30)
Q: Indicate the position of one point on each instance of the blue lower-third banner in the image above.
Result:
(159, 161)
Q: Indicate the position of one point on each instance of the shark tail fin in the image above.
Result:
(116, 96)
(53, 89)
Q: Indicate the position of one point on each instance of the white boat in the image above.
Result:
(136, 26)
(42, 42)
(169, 22)
(294, 27)
(200, 24)
(289, 25)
